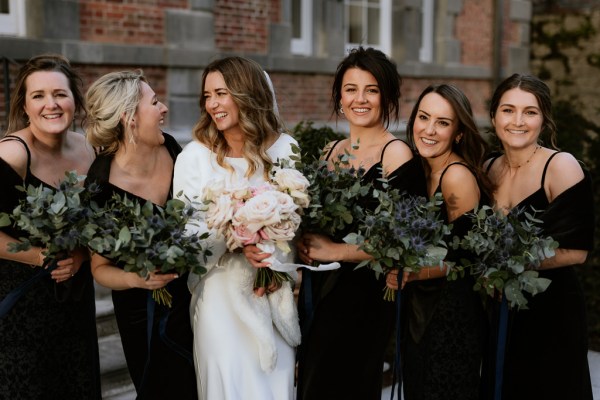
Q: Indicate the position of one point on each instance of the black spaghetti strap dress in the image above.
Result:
(343, 345)
(546, 349)
(48, 340)
(444, 329)
(166, 371)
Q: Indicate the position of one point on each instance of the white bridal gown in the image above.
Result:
(243, 344)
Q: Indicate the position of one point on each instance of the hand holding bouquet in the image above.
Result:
(403, 232)
(144, 238)
(57, 220)
(509, 249)
(253, 215)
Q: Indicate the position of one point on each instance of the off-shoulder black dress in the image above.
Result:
(547, 346)
(48, 340)
(167, 370)
(343, 345)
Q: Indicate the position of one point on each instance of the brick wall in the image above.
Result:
(475, 32)
(243, 25)
(125, 21)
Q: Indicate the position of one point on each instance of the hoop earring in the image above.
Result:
(341, 109)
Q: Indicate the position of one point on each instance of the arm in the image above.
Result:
(115, 278)
(316, 247)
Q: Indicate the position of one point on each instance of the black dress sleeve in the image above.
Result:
(409, 178)
(570, 218)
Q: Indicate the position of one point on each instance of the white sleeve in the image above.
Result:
(192, 172)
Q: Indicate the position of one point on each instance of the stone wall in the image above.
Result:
(565, 52)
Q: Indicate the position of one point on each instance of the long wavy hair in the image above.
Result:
(112, 101)
(248, 86)
(540, 90)
(17, 118)
(384, 71)
(472, 147)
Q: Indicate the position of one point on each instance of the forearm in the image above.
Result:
(563, 258)
(34, 256)
(108, 275)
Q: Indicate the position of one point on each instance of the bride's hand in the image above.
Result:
(255, 256)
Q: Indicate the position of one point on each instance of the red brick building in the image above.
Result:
(470, 43)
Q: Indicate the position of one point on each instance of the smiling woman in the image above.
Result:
(60, 344)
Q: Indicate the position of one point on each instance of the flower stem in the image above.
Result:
(163, 297)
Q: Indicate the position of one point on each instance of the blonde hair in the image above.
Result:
(112, 98)
(250, 90)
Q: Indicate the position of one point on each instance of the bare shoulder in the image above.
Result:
(330, 146)
(459, 178)
(395, 154)
(14, 154)
(563, 172)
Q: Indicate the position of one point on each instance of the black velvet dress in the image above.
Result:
(546, 350)
(443, 332)
(166, 370)
(343, 344)
(48, 340)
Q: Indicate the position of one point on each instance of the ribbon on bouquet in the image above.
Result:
(397, 371)
(277, 253)
(11, 299)
(501, 348)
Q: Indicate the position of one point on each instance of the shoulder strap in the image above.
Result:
(385, 147)
(490, 164)
(546, 167)
(451, 164)
(12, 137)
(331, 149)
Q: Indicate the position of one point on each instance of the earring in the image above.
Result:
(341, 109)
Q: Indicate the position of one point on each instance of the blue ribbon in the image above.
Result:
(11, 299)
(501, 348)
(397, 372)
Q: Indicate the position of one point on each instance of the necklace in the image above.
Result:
(526, 162)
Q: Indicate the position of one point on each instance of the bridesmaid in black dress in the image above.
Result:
(346, 323)
(48, 340)
(546, 349)
(444, 324)
(137, 159)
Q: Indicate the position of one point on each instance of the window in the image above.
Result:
(369, 24)
(302, 27)
(427, 32)
(12, 17)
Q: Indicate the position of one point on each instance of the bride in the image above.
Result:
(244, 337)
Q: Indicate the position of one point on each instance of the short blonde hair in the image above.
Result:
(112, 97)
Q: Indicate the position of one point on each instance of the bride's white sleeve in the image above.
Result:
(191, 174)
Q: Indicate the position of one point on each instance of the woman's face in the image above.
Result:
(219, 103)
(518, 120)
(435, 127)
(149, 118)
(361, 98)
(49, 102)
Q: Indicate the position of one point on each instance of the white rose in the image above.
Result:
(220, 213)
(284, 230)
(240, 190)
(213, 189)
(259, 211)
(286, 203)
(291, 179)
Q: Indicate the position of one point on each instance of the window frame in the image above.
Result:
(385, 26)
(303, 44)
(13, 23)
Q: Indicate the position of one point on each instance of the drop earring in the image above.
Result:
(341, 109)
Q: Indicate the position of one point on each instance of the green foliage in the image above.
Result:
(509, 249)
(144, 238)
(54, 219)
(311, 140)
(403, 232)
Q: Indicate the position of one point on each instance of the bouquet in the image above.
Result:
(509, 249)
(338, 196)
(267, 215)
(145, 238)
(56, 219)
(404, 232)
